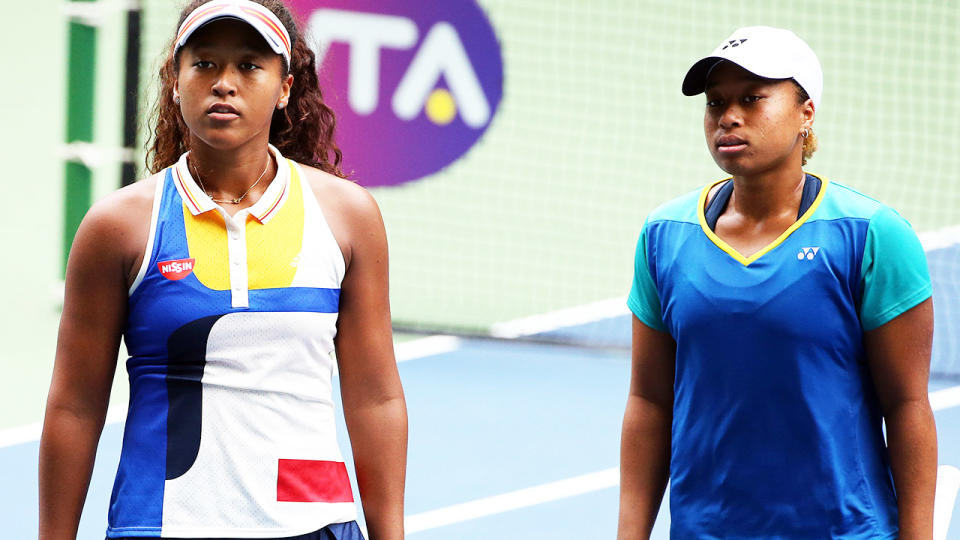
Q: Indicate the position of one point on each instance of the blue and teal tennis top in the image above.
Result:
(776, 427)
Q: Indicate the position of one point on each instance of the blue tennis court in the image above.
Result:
(507, 439)
(517, 438)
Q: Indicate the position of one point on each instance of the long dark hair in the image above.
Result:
(302, 131)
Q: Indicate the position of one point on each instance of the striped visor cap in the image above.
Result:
(259, 17)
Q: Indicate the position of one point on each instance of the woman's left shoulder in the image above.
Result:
(349, 210)
(843, 201)
(339, 195)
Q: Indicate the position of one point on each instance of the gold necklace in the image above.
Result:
(230, 201)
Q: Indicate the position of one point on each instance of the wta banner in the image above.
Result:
(414, 83)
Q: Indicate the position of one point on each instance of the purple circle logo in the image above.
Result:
(414, 83)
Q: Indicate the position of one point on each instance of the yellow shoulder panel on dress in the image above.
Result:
(207, 243)
(272, 248)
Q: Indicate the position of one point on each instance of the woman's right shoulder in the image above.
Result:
(129, 205)
(117, 226)
(682, 209)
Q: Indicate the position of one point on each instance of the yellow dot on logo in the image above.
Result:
(440, 107)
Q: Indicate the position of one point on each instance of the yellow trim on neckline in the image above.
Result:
(746, 261)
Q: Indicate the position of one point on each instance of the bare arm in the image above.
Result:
(645, 440)
(90, 327)
(899, 357)
(373, 403)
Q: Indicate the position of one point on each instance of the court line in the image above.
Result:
(561, 318)
(31, 432)
(948, 483)
(20, 434)
(946, 398)
(940, 238)
(408, 350)
(513, 500)
(427, 346)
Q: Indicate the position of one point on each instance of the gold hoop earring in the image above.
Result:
(805, 133)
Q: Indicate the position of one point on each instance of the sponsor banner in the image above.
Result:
(414, 83)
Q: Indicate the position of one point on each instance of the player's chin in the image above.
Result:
(223, 138)
(732, 165)
(740, 164)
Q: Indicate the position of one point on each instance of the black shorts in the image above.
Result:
(335, 531)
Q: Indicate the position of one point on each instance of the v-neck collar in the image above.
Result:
(736, 255)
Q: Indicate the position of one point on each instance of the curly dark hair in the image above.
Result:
(302, 131)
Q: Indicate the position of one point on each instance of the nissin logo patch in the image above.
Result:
(178, 269)
(414, 83)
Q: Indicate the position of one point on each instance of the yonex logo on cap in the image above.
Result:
(734, 43)
(807, 253)
(774, 53)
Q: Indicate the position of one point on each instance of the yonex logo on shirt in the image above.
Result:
(177, 269)
(807, 253)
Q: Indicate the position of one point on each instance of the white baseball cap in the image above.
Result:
(771, 53)
(256, 15)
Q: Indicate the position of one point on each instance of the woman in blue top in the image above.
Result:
(779, 319)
